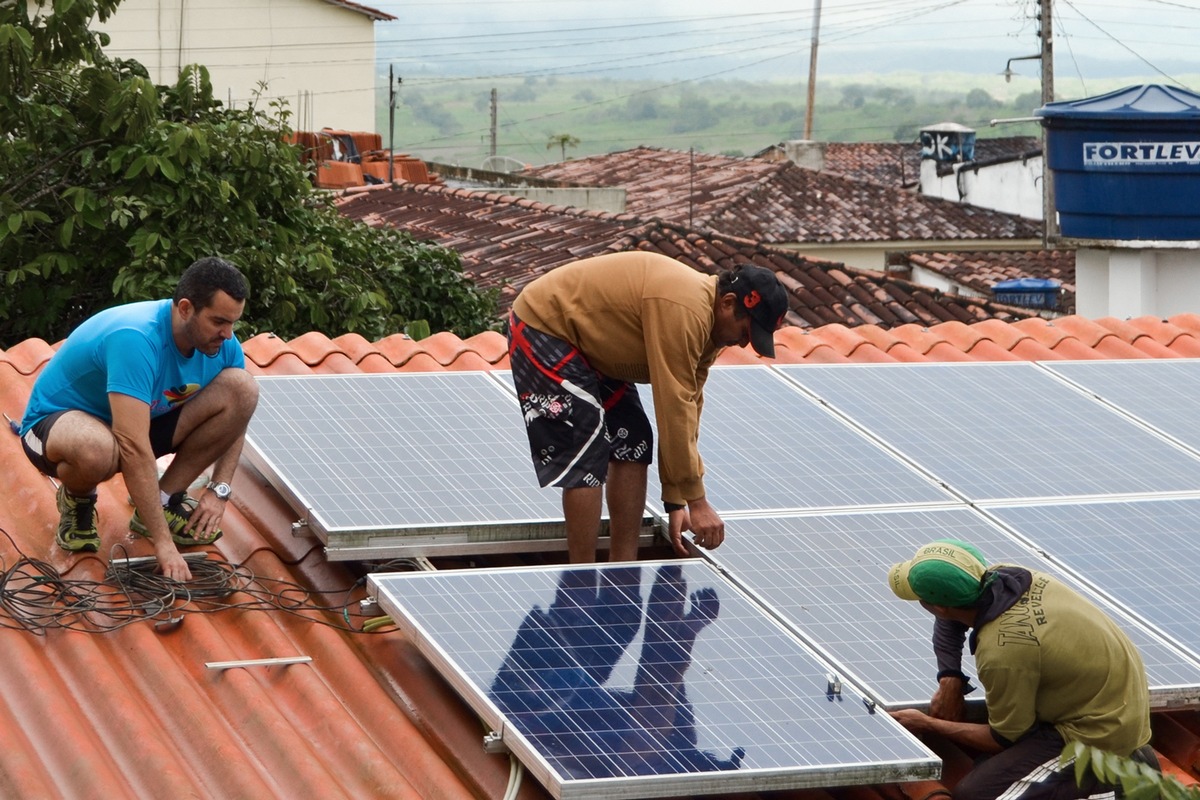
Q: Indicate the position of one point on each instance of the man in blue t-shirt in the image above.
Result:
(136, 382)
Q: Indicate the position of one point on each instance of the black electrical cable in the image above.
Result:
(35, 597)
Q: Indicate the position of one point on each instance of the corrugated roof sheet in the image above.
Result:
(135, 713)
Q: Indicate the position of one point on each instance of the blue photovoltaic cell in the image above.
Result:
(399, 452)
(1145, 555)
(648, 679)
(1002, 430)
(826, 576)
(1160, 391)
(768, 447)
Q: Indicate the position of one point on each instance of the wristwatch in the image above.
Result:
(222, 490)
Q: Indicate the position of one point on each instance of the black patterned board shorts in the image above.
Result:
(577, 419)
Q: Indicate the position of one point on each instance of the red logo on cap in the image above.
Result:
(752, 299)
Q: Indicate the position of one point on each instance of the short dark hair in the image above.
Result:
(725, 286)
(205, 277)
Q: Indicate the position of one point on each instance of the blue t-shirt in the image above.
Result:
(129, 350)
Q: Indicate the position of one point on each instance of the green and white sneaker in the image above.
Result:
(77, 522)
(177, 512)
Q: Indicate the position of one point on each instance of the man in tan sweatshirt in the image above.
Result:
(581, 336)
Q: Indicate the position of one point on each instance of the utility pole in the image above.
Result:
(1046, 35)
(492, 149)
(392, 124)
(812, 69)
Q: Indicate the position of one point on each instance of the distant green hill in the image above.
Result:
(448, 119)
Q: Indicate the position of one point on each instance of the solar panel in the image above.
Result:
(1161, 392)
(1002, 430)
(647, 679)
(402, 464)
(1144, 554)
(825, 575)
(769, 448)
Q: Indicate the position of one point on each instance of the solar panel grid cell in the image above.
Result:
(825, 575)
(1143, 554)
(1002, 430)
(767, 447)
(661, 672)
(395, 452)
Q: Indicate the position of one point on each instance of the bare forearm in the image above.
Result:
(975, 735)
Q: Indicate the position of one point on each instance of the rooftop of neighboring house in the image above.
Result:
(980, 271)
(137, 712)
(505, 242)
(781, 203)
(898, 164)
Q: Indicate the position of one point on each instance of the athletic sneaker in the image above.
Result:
(77, 523)
(177, 511)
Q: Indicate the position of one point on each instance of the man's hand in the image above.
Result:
(913, 720)
(678, 521)
(205, 518)
(948, 701)
(708, 529)
(170, 563)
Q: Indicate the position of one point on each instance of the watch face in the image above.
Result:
(221, 490)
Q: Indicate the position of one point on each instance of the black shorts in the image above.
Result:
(162, 435)
(577, 419)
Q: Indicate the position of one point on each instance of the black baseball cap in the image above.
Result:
(762, 296)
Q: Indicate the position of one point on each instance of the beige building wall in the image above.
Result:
(316, 55)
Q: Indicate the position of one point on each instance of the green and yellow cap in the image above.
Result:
(947, 572)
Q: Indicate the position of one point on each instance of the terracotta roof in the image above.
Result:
(898, 164)
(506, 242)
(982, 270)
(135, 713)
(780, 203)
(888, 163)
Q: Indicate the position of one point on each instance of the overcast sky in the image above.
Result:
(754, 39)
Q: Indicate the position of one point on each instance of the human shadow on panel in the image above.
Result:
(552, 684)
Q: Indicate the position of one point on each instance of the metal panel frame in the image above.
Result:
(401, 540)
(695, 783)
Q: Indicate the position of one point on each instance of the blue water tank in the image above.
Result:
(1029, 292)
(1126, 164)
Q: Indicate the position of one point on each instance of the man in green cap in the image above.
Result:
(1054, 668)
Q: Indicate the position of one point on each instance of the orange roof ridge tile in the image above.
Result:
(1002, 333)
(887, 341)
(263, 348)
(492, 347)
(1137, 338)
(444, 346)
(964, 337)
(1181, 342)
(1188, 322)
(314, 347)
(28, 356)
(793, 345)
(918, 337)
(842, 339)
(397, 348)
(355, 346)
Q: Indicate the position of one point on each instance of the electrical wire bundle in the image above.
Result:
(35, 597)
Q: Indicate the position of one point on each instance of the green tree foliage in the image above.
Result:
(1137, 781)
(110, 186)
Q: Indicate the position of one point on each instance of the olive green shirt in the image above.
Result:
(1055, 657)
